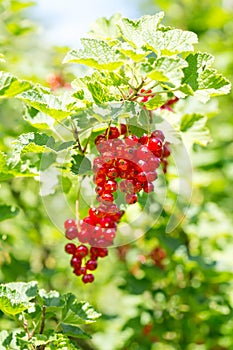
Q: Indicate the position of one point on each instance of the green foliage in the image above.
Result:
(35, 310)
(183, 302)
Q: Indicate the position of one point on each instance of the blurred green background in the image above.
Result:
(184, 302)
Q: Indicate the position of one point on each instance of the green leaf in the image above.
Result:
(171, 42)
(105, 28)
(204, 81)
(11, 86)
(15, 297)
(51, 300)
(76, 312)
(156, 102)
(61, 341)
(8, 212)
(16, 5)
(167, 69)
(136, 32)
(58, 107)
(74, 331)
(8, 172)
(136, 54)
(38, 119)
(97, 54)
(32, 142)
(5, 340)
(80, 164)
(99, 92)
(193, 128)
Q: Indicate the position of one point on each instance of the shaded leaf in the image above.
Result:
(74, 331)
(51, 300)
(8, 212)
(80, 164)
(76, 312)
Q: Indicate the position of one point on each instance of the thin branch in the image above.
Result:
(43, 319)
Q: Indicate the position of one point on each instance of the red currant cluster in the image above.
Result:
(81, 252)
(128, 164)
(125, 163)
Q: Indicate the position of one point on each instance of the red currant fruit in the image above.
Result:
(69, 223)
(71, 232)
(70, 248)
(91, 264)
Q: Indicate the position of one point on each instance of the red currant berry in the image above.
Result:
(91, 264)
(107, 197)
(110, 234)
(112, 133)
(110, 186)
(76, 262)
(158, 134)
(143, 152)
(88, 278)
(131, 198)
(142, 177)
(122, 164)
(102, 252)
(143, 139)
(112, 173)
(151, 176)
(166, 150)
(69, 223)
(155, 144)
(123, 129)
(131, 140)
(149, 187)
(71, 232)
(81, 251)
(70, 248)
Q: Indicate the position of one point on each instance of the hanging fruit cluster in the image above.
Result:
(128, 164)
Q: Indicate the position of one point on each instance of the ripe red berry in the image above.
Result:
(88, 278)
(123, 129)
(70, 248)
(131, 198)
(110, 186)
(142, 177)
(112, 133)
(112, 172)
(143, 153)
(166, 150)
(76, 262)
(158, 134)
(69, 223)
(143, 139)
(107, 197)
(155, 144)
(81, 251)
(131, 140)
(91, 264)
(149, 187)
(71, 232)
(151, 176)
